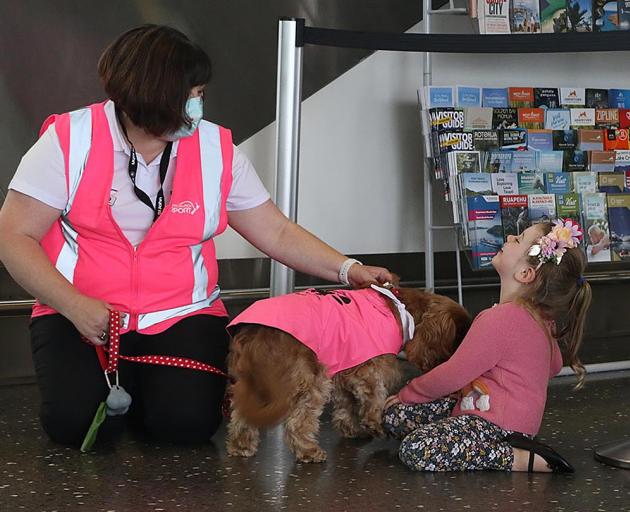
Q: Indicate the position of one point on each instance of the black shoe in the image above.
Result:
(552, 458)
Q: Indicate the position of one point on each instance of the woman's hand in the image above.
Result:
(392, 400)
(361, 276)
(91, 318)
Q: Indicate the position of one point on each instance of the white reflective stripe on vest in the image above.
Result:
(146, 320)
(80, 142)
(69, 254)
(211, 158)
(200, 287)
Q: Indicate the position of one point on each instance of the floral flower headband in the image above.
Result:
(564, 235)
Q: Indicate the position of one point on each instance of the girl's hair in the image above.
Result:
(148, 73)
(560, 295)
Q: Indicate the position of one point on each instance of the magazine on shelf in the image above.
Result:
(626, 187)
(572, 97)
(531, 118)
(524, 16)
(494, 97)
(605, 16)
(596, 229)
(611, 182)
(504, 183)
(582, 117)
(486, 140)
(497, 161)
(591, 140)
(542, 208)
(466, 96)
(521, 97)
(596, 98)
(549, 161)
(585, 182)
(564, 139)
(524, 161)
(557, 119)
(623, 10)
(580, 15)
(454, 141)
(494, 16)
(513, 139)
(474, 184)
(619, 224)
(553, 16)
(568, 207)
(616, 138)
(574, 160)
(601, 161)
(606, 118)
(624, 118)
(514, 214)
(446, 119)
(478, 118)
(485, 228)
(546, 97)
(619, 98)
(558, 182)
(540, 140)
(464, 161)
(503, 118)
(622, 160)
(531, 182)
(439, 96)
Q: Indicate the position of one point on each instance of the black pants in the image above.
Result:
(177, 405)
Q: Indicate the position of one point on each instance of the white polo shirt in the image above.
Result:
(41, 175)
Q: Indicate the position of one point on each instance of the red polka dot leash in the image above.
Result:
(109, 356)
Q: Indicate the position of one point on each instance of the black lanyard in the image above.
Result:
(133, 169)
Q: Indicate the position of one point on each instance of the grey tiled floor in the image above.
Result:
(36, 475)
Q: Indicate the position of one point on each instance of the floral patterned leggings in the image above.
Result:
(432, 440)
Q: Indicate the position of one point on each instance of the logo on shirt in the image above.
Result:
(185, 207)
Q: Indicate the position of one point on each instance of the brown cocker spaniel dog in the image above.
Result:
(278, 378)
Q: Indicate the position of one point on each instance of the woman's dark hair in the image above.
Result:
(559, 294)
(148, 73)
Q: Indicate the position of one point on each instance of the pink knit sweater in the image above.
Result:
(508, 350)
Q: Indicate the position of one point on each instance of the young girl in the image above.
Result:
(510, 352)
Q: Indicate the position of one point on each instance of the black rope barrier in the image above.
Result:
(465, 43)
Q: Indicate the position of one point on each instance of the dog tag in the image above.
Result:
(98, 420)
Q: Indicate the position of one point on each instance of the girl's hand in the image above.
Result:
(392, 400)
(361, 276)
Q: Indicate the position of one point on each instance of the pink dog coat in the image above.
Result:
(344, 327)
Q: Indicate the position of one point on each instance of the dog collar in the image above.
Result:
(408, 324)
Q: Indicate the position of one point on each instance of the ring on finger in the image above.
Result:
(103, 336)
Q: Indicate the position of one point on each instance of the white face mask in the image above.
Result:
(194, 111)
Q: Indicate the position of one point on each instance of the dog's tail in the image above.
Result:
(260, 393)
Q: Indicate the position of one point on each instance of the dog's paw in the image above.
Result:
(315, 454)
(234, 451)
(372, 429)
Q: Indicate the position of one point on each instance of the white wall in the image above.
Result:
(360, 185)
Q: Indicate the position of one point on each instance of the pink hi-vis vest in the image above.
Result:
(173, 272)
(344, 328)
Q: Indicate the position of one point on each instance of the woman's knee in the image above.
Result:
(415, 453)
(183, 427)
